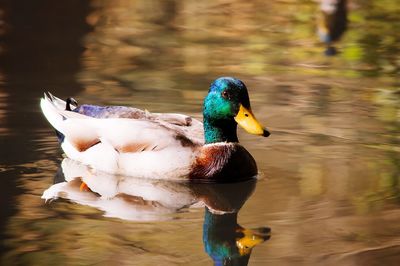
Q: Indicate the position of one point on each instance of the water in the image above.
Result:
(329, 174)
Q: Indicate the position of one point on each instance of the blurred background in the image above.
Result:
(323, 76)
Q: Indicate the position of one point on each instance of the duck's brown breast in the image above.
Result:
(223, 162)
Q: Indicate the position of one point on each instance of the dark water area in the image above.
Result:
(328, 191)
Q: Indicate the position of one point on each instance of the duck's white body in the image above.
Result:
(152, 146)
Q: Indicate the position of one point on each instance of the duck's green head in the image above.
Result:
(226, 105)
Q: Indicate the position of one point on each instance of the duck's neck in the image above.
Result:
(220, 131)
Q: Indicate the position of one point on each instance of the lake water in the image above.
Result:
(328, 192)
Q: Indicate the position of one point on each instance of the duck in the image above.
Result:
(132, 142)
(331, 23)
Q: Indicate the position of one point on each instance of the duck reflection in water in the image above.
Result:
(225, 241)
(331, 23)
(128, 198)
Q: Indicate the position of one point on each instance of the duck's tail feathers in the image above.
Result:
(53, 109)
(60, 104)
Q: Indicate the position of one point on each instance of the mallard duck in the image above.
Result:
(331, 23)
(131, 142)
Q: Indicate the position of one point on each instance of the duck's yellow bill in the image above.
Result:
(246, 120)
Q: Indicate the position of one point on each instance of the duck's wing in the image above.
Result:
(184, 124)
(132, 113)
(123, 134)
(110, 111)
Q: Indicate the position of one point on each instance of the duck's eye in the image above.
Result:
(225, 94)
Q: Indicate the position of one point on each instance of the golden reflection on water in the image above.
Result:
(329, 185)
